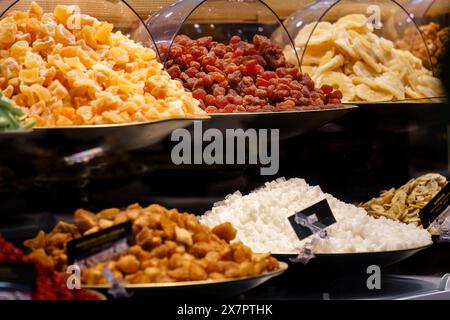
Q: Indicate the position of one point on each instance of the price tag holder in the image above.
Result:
(439, 206)
(313, 220)
(17, 280)
(100, 246)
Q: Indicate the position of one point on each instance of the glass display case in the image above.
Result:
(432, 18)
(358, 45)
(119, 13)
(220, 19)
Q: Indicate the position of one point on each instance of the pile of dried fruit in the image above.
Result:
(50, 284)
(170, 246)
(405, 203)
(349, 56)
(65, 68)
(437, 39)
(243, 76)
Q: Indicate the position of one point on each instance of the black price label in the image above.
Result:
(437, 206)
(313, 219)
(17, 276)
(100, 246)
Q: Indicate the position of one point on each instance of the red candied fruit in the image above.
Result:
(235, 39)
(174, 72)
(326, 88)
(262, 82)
(210, 100)
(176, 51)
(219, 91)
(191, 72)
(221, 101)
(199, 94)
(211, 109)
(204, 41)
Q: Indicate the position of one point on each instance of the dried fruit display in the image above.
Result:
(437, 39)
(169, 246)
(404, 204)
(65, 68)
(348, 55)
(242, 76)
(50, 284)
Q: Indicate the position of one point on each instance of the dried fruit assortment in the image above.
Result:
(437, 39)
(242, 76)
(50, 284)
(169, 246)
(404, 204)
(65, 68)
(349, 56)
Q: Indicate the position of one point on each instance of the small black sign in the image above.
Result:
(437, 206)
(18, 276)
(313, 219)
(101, 245)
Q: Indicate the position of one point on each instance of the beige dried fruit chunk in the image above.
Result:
(360, 69)
(355, 21)
(343, 42)
(366, 93)
(321, 33)
(328, 65)
(183, 236)
(405, 203)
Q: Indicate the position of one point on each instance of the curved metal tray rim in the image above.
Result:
(112, 125)
(267, 275)
(327, 109)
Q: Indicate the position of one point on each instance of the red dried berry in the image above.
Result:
(222, 74)
(211, 109)
(326, 89)
(235, 39)
(199, 94)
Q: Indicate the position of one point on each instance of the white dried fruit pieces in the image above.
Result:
(405, 203)
(348, 55)
(63, 73)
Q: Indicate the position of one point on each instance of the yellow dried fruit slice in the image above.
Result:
(365, 55)
(314, 34)
(391, 83)
(330, 65)
(308, 69)
(387, 83)
(433, 84)
(361, 69)
(355, 21)
(344, 43)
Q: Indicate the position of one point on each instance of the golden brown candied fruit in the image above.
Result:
(225, 231)
(169, 246)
